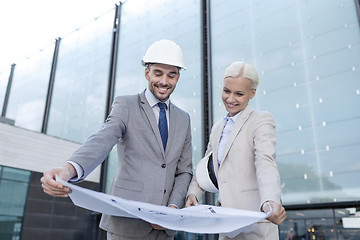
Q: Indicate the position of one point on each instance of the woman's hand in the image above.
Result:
(279, 214)
(191, 201)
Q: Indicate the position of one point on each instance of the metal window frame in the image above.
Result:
(111, 83)
(8, 89)
(50, 86)
(357, 5)
(314, 206)
(206, 86)
(206, 83)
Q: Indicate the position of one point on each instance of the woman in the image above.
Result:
(243, 152)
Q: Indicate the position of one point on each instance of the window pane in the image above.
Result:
(15, 174)
(13, 196)
(79, 97)
(29, 89)
(13, 191)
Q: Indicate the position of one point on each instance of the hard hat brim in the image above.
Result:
(202, 173)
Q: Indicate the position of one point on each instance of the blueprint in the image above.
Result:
(197, 219)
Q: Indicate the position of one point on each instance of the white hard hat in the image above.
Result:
(205, 175)
(165, 52)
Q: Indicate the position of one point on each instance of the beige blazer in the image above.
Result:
(248, 175)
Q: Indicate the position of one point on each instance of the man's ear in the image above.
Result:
(147, 72)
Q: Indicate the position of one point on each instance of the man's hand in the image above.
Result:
(157, 227)
(279, 214)
(53, 188)
(191, 201)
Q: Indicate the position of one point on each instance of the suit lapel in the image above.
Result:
(151, 118)
(236, 129)
(216, 139)
(172, 124)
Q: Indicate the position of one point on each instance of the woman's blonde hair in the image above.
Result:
(242, 69)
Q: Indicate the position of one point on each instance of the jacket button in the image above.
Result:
(164, 191)
(163, 165)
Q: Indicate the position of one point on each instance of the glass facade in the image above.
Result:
(80, 87)
(319, 224)
(307, 55)
(13, 190)
(29, 90)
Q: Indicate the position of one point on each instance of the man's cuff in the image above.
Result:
(79, 171)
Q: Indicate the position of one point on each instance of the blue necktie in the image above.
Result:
(163, 124)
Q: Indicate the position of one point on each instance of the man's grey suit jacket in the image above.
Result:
(145, 172)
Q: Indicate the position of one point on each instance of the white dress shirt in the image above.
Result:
(153, 101)
(229, 123)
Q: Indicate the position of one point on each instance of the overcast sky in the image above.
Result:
(27, 26)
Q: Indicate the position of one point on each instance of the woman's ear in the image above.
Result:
(253, 92)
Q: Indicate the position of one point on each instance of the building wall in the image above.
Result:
(34, 151)
(307, 54)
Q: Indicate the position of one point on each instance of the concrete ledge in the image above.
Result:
(24, 149)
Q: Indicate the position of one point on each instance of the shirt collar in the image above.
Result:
(233, 119)
(152, 100)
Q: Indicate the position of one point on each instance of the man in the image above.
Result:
(154, 147)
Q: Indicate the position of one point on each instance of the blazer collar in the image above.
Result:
(152, 100)
(173, 117)
(234, 132)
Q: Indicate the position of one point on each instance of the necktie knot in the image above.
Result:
(162, 105)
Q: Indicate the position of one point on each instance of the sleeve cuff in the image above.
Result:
(79, 171)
